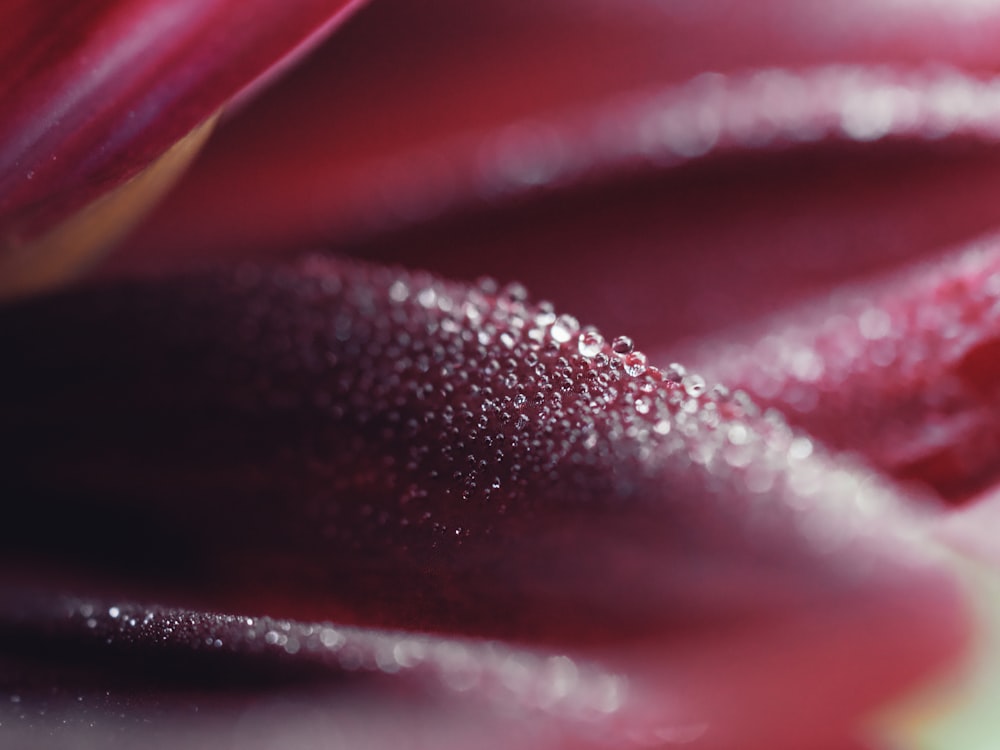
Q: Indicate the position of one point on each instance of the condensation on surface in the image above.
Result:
(902, 369)
(455, 444)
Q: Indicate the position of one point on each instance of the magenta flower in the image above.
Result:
(303, 463)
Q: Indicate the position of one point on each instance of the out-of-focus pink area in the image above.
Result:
(536, 140)
(208, 679)
(901, 369)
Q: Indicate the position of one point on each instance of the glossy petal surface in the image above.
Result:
(399, 451)
(92, 94)
(417, 112)
(321, 440)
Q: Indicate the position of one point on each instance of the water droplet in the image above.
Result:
(331, 638)
(738, 434)
(720, 392)
(487, 284)
(675, 373)
(546, 315)
(622, 345)
(662, 427)
(564, 328)
(472, 312)
(427, 297)
(800, 448)
(642, 405)
(399, 291)
(635, 363)
(515, 291)
(591, 342)
(694, 385)
(875, 324)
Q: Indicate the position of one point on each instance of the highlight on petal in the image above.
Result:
(333, 441)
(295, 678)
(93, 94)
(508, 100)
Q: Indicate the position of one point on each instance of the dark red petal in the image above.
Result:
(94, 93)
(337, 441)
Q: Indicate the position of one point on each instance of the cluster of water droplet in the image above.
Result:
(453, 444)
(492, 392)
(713, 111)
(474, 394)
(899, 370)
(508, 677)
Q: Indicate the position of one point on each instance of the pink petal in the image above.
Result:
(417, 112)
(901, 370)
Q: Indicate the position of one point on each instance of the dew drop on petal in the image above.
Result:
(674, 373)
(546, 314)
(621, 345)
(565, 328)
(591, 342)
(515, 291)
(738, 434)
(635, 363)
(694, 385)
(488, 285)
(427, 297)
(399, 291)
(800, 448)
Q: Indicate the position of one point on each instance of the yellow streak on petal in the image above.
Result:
(75, 245)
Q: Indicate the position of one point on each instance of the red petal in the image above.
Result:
(93, 94)
(902, 370)
(499, 98)
(298, 678)
(410, 430)
(338, 441)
